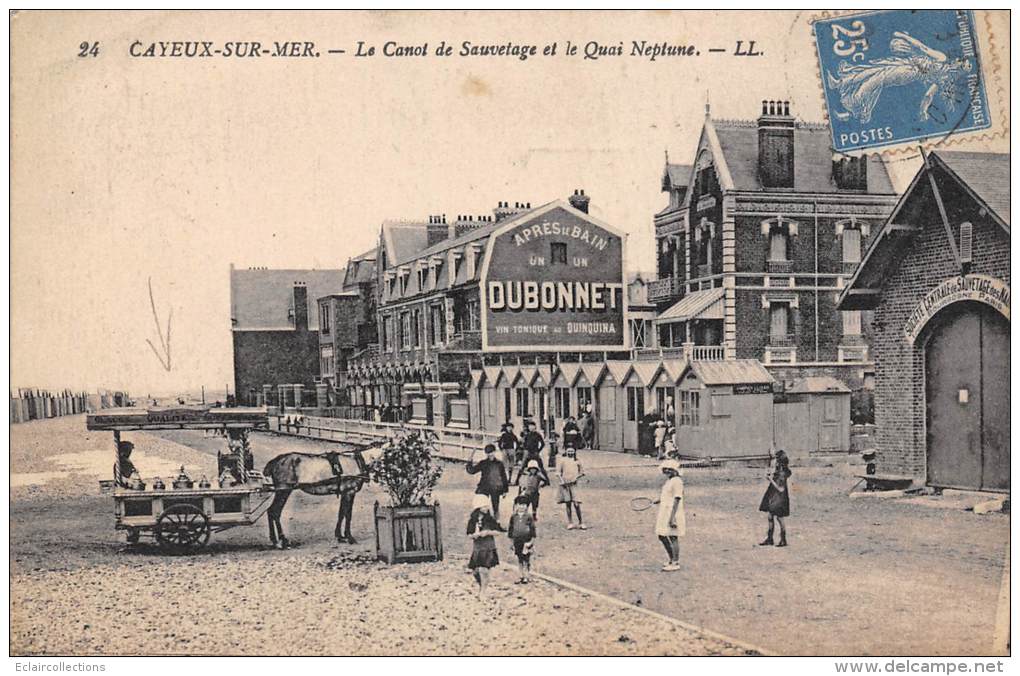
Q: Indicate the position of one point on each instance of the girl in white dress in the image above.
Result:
(670, 523)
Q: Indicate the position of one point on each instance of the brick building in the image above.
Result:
(762, 231)
(431, 313)
(347, 321)
(937, 279)
(274, 336)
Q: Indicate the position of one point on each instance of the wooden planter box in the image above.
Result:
(408, 534)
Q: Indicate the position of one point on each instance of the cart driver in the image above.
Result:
(125, 468)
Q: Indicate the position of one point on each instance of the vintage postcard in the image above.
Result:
(472, 333)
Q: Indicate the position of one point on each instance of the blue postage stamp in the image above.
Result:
(896, 76)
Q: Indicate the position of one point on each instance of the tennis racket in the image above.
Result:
(641, 504)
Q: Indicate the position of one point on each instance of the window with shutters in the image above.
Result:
(852, 323)
(522, 402)
(405, 330)
(561, 402)
(779, 322)
(851, 245)
(438, 324)
(635, 403)
(690, 403)
(777, 245)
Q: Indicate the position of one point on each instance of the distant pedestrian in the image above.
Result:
(509, 444)
(531, 483)
(482, 528)
(660, 438)
(532, 443)
(493, 482)
(554, 448)
(670, 523)
(670, 444)
(522, 533)
(776, 501)
(588, 428)
(569, 472)
(571, 433)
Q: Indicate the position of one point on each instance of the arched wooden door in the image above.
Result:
(967, 398)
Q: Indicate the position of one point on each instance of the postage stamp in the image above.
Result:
(895, 76)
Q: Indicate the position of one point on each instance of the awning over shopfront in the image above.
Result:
(707, 304)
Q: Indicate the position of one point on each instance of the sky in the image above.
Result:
(129, 169)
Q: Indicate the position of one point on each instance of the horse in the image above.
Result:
(342, 474)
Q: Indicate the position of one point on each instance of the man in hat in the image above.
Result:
(493, 481)
(533, 444)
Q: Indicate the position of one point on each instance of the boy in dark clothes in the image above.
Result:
(509, 444)
(521, 532)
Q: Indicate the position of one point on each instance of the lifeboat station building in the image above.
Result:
(937, 278)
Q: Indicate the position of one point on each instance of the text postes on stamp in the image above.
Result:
(896, 76)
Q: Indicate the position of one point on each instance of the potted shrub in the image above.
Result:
(408, 529)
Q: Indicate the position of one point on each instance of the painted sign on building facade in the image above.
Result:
(983, 288)
(554, 281)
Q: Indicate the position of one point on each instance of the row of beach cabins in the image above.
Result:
(34, 404)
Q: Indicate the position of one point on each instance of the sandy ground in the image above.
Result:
(868, 577)
(77, 589)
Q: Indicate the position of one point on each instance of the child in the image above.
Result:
(660, 438)
(570, 471)
(522, 532)
(776, 501)
(670, 524)
(530, 484)
(481, 528)
(671, 451)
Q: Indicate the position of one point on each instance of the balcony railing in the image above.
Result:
(779, 267)
(689, 351)
(663, 289)
(788, 340)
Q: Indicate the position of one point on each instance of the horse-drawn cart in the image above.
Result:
(179, 515)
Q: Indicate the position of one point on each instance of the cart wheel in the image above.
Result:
(133, 536)
(181, 528)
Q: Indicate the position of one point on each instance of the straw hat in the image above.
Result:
(672, 465)
(481, 502)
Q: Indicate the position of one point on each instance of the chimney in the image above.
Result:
(579, 201)
(436, 231)
(501, 211)
(300, 306)
(775, 145)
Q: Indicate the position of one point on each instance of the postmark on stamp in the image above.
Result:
(896, 76)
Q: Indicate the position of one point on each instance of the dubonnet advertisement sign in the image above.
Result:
(554, 281)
